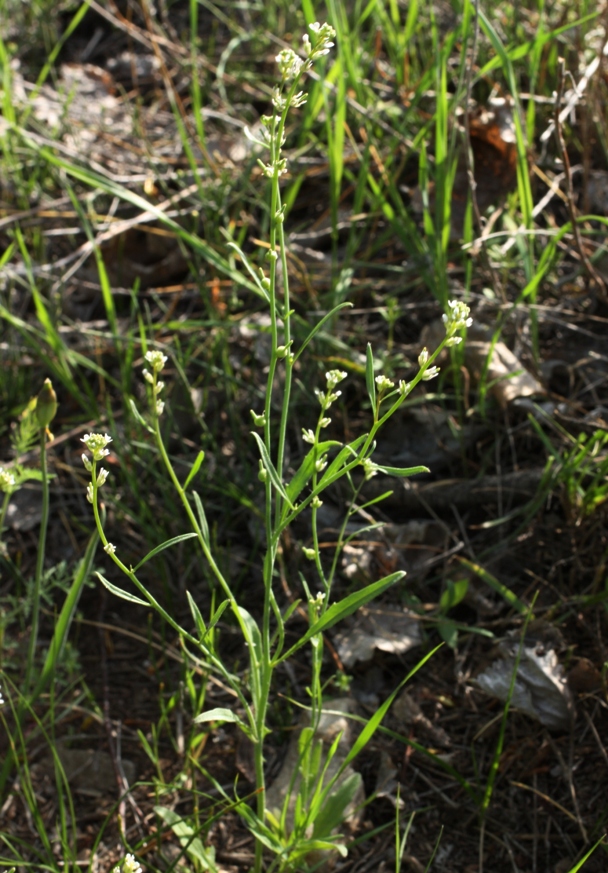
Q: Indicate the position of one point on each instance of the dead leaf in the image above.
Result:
(540, 689)
(390, 629)
(506, 376)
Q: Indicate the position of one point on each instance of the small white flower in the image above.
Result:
(369, 468)
(90, 492)
(308, 436)
(96, 443)
(404, 387)
(7, 480)
(383, 384)
(87, 464)
(109, 549)
(325, 422)
(457, 317)
(130, 865)
(334, 377)
(102, 476)
(316, 502)
(423, 357)
(430, 374)
(156, 360)
(159, 387)
(289, 64)
(321, 464)
(148, 376)
(159, 407)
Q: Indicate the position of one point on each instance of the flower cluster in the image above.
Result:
(456, 318)
(96, 443)
(323, 36)
(157, 361)
(129, 865)
(7, 480)
(289, 64)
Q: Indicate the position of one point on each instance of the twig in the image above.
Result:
(563, 153)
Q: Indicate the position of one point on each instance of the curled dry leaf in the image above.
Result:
(390, 629)
(540, 691)
(507, 377)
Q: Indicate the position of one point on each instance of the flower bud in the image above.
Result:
(46, 404)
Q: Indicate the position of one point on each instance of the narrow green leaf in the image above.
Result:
(506, 593)
(64, 622)
(270, 469)
(332, 813)
(254, 637)
(337, 611)
(453, 594)
(137, 414)
(369, 376)
(195, 468)
(120, 592)
(374, 722)
(304, 472)
(344, 456)
(327, 317)
(167, 544)
(197, 615)
(259, 288)
(202, 518)
(220, 714)
(399, 471)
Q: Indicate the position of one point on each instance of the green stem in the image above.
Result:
(31, 653)
(3, 511)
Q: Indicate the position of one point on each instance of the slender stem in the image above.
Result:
(31, 653)
(3, 511)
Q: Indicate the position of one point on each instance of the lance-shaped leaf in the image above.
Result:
(337, 611)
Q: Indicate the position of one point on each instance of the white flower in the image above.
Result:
(87, 464)
(308, 436)
(157, 361)
(130, 865)
(289, 64)
(383, 384)
(457, 317)
(96, 443)
(430, 374)
(423, 357)
(7, 480)
(369, 468)
(334, 377)
(325, 421)
(321, 464)
(101, 477)
(323, 34)
(90, 492)
(109, 549)
(159, 407)
(148, 376)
